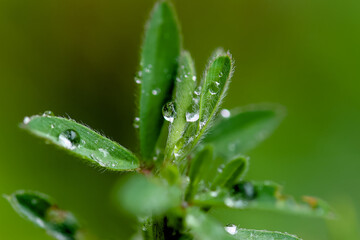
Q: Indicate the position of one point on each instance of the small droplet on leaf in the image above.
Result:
(69, 139)
(155, 91)
(26, 120)
(169, 112)
(48, 113)
(214, 88)
(231, 229)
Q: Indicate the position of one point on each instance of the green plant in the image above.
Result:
(190, 163)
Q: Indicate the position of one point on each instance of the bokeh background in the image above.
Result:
(78, 58)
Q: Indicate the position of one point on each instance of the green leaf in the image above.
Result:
(203, 227)
(264, 196)
(244, 129)
(82, 142)
(148, 196)
(43, 212)
(184, 90)
(215, 83)
(198, 170)
(231, 173)
(249, 234)
(159, 55)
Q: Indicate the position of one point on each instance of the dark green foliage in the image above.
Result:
(190, 163)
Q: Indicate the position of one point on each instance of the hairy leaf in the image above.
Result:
(43, 212)
(249, 234)
(263, 195)
(160, 50)
(82, 142)
(203, 227)
(143, 196)
(231, 173)
(184, 90)
(245, 128)
(198, 170)
(214, 86)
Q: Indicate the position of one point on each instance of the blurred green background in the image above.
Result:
(78, 58)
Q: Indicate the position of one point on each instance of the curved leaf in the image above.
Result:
(231, 173)
(215, 83)
(249, 234)
(160, 50)
(244, 129)
(265, 196)
(82, 142)
(43, 212)
(184, 90)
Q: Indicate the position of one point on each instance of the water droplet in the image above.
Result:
(192, 116)
(214, 88)
(220, 168)
(178, 79)
(48, 114)
(69, 139)
(221, 74)
(231, 228)
(245, 189)
(169, 112)
(197, 91)
(186, 76)
(137, 80)
(113, 165)
(225, 113)
(148, 68)
(194, 78)
(155, 91)
(214, 193)
(52, 126)
(26, 120)
(136, 122)
(104, 152)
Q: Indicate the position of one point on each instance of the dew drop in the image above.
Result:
(192, 116)
(220, 168)
(197, 91)
(52, 126)
(214, 193)
(225, 113)
(194, 78)
(137, 80)
(48, 114)
(104, 152)
(221, 74)
(214, 88)
(69, 139)
(136, 122)
(169, 112)
(26, 120)
(231, 228)
(113, 165)
(155, 91)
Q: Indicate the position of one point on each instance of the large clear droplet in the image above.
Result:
(231, 228)
(214, 88)
(69, 139)
(26, 120)
(169, 112)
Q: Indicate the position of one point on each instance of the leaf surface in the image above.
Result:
(214, 87)
(184, 90)
(249, 234)
(264, 196)
(244, 129)
(82, 142)
(41, 210)
(159, 55)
